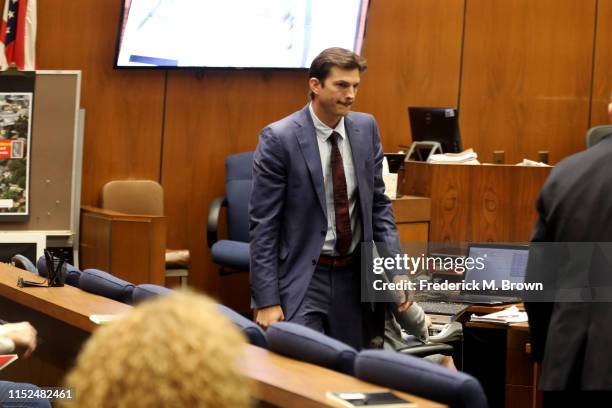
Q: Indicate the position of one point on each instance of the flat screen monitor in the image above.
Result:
(436, 125)
(236, 33)
(395, 161)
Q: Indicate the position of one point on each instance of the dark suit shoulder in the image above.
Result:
(578, 181)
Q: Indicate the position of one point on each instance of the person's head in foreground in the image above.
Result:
(173, 351)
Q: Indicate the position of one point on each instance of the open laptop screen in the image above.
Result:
(501, 263)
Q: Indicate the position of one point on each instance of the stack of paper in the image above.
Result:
(465, 157)
(103, 319)
(527, 162)
(506, 316)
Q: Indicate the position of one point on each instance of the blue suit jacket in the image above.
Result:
(287, 211)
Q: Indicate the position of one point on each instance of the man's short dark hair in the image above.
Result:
(335, 57)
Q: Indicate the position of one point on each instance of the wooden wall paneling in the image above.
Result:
(124, 108)
(208, 119)
(602, 81)
(526, 77)
(413, 48)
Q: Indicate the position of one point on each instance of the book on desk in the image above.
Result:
(7, 359)
(384, 399)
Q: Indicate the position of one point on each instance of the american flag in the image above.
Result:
(18, 35)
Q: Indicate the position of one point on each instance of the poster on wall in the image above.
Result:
(15, 136)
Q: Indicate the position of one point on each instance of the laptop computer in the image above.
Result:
(501, 263)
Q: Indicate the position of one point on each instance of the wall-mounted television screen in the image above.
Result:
(236, 33)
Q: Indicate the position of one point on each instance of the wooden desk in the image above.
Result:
(412, 215)
(511, 347)
(290, 383)
(61, 317)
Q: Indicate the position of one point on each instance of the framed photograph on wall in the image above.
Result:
(15, 136)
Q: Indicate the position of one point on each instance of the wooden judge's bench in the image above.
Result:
(476, 203)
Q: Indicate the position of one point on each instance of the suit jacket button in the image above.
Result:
(314, 262)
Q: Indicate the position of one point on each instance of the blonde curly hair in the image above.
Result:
(173, 351)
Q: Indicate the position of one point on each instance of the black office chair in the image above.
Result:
(407, 334)
(232, 254)
(596, 133)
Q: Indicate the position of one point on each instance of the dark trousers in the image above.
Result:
(332, 305)
(571, 399)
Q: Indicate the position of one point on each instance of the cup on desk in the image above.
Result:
(543, 156)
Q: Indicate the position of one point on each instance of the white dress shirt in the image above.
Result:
(323, 133)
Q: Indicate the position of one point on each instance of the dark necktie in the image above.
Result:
(344, 237)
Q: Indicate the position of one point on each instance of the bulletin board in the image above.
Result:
(55, 156)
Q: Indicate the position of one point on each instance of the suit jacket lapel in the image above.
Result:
(307, 139)
(358, 149)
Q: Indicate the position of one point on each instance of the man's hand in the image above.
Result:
(404, 306)
(268, 315)
(23, 334)
(428, 321)
(405, 297)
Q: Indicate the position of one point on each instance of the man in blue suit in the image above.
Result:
(318, 193)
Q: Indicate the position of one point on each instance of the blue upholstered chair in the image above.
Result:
(251, 330)
(305, 344)
(232, 254)
(420, 377)
(104, 284)
(148, 291)
(22, 262)
(73, 274)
